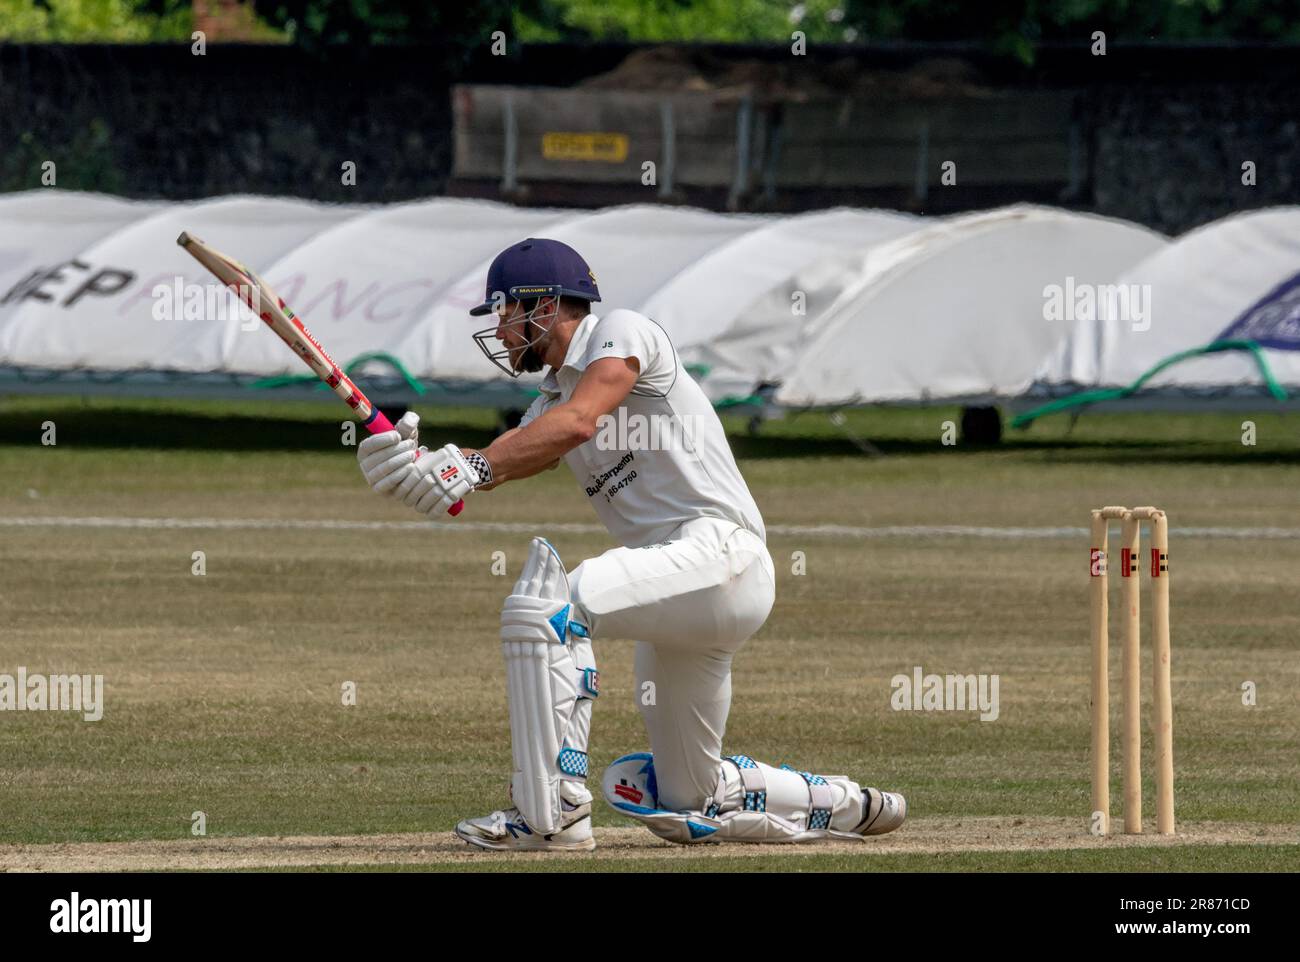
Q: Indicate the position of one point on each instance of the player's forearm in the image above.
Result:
(526, 451)
(516, 477)
(501, 479)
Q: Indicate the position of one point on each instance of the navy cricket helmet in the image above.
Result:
(538, 267)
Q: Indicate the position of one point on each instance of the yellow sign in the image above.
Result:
(605, 148)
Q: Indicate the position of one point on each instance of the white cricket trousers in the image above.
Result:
(689, 603)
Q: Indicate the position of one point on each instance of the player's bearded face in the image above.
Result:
(518, 343)
(524, 337)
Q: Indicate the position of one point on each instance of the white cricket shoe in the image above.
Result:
(507, 831)
(886, 811)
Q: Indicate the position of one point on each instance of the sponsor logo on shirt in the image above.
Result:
(599, 481)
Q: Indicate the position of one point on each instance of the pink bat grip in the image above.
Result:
(379, 424)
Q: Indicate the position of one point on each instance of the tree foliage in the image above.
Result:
(323, 23)
(725, 21)
(83, 21)
(1014, 26)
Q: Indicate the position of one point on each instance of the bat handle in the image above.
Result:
(378, 424)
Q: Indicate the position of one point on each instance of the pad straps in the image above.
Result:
(753, 782)
(820, 799)
(572, 761)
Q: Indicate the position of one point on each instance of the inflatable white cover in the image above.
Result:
(957, 310)
(1198, 286)
(840, 306)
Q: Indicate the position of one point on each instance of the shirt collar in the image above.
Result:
(577, 347)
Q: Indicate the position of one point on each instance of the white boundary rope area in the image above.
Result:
(506, 527)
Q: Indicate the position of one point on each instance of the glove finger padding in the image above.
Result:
(449, 479)
(434, 502)
(377, 442)
(417, 482)
(382, 455)
(382, 463)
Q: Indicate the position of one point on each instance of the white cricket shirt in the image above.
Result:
(662, 457)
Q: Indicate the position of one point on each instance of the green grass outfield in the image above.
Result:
(223, 691)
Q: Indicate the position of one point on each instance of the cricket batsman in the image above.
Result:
(691, 581)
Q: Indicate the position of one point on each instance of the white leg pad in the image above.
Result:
(545, 684)
(814, 806)
(754, 803)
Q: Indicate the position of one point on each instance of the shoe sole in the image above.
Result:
(587, 845)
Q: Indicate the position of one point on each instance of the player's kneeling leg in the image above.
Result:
(551, 680)
(755, 802)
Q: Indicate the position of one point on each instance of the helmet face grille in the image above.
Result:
(529, 356)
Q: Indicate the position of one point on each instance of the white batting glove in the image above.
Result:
(383, 456)
(436, 481)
